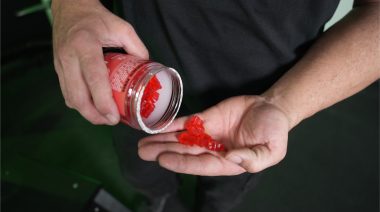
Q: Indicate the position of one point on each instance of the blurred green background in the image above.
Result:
(54, 160)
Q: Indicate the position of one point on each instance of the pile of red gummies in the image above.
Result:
(195, 135)
(150, 97)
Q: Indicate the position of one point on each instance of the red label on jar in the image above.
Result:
(120, 67)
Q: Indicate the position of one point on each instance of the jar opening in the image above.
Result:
(168, 103)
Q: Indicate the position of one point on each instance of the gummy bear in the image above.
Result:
(150, 97)
(195, 135)
(195, 125)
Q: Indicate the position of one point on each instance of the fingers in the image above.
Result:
(84, 80)
(132, 43)
(177, 157)
(151, 147)
(163, 137)
(78, 37)
(151, 151)
(204, 164)
(95, 75)
(78, 95)
(255, 159)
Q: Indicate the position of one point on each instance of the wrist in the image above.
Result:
(283, 104)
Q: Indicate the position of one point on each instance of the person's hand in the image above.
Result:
(254, 132)
(80, 29)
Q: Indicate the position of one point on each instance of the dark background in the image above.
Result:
(54, 160)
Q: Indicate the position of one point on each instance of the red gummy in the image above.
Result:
(150, 97)
(195, 125)
(195, 135)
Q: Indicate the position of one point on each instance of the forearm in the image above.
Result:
(344, 61)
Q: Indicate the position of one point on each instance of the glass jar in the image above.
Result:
(131, 82)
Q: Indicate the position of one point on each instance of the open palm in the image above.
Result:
(253, 131)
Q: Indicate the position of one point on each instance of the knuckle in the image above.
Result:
(77, 37)
(82, 39)
(64, 59)
(128, 26)
(129, 29)
(78, 102)
(61, 52)
(94, 78)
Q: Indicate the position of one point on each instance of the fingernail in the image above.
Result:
(112, 118)
(235, 159)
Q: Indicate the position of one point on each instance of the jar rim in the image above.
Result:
(175, 77)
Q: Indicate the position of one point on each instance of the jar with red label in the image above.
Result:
(148, 94)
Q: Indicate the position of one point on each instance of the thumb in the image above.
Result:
(253, 159)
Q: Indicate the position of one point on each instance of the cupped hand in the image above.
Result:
(254, 132)
(80, 29)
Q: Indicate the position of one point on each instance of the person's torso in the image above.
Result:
(228, 47)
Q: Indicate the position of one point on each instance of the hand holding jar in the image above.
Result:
(80, 30)
(148, 95)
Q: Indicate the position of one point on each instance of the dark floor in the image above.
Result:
(332, 162)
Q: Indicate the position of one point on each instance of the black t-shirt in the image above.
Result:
(228, 47)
